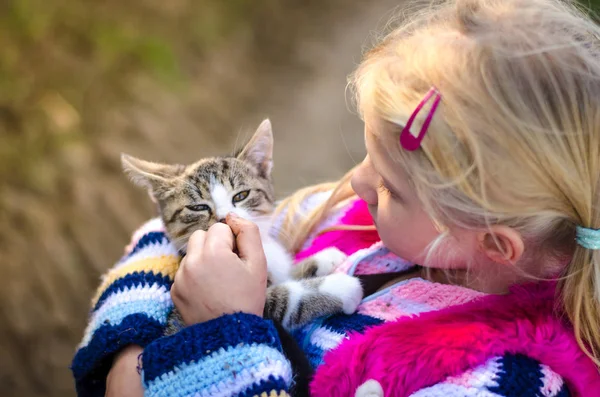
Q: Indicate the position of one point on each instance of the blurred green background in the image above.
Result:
(83, 81)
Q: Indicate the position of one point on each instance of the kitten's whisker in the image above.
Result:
(177, 241)
(237, 141)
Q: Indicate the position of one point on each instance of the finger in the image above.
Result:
(180, 270)
(247, 236)
(195, 246)
(179, 277)
(196, 240)
(220, 236)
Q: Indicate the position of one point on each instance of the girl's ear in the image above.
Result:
(501, 244)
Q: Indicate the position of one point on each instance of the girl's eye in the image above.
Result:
(386, 190)
(241, 196)
(198, 207)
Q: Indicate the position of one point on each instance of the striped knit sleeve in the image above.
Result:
(130, 307)
(234, 355)
(512, 375)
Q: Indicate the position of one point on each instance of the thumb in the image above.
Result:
(247, 237)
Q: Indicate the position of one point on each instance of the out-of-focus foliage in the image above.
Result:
(59, 57)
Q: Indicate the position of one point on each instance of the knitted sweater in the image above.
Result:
(415, 338)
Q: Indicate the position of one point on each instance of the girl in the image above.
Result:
(482, 128)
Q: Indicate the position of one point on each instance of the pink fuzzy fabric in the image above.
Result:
(346, 241)
(413, 353)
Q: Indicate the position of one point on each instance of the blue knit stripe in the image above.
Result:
(339, 324)
(226, 372)
(342, 323)
(135, 279)
(153, 308)
(519, 376)
(92, 362)
(272, 384)
(152, 238)
(195, 342)
(313, 353)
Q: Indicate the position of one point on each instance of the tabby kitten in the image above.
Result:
(196, 196)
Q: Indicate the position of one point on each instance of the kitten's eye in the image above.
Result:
(198, 207)
(241, 196)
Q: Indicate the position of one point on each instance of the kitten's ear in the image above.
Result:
(155, 177)
(259, 151)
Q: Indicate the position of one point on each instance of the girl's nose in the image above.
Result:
(364, 182)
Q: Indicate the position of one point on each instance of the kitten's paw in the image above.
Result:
(327, 260)
(370, 388)
(344, 287)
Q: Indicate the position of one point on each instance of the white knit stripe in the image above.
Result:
(472, 383)
(450, 390)
(325, 339)
(552, 383)
(153, 225)
(223, 373)
(156, 292)
(482, 376)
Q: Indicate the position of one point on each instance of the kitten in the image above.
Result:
(196, 196)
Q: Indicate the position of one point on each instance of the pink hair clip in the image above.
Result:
(410, 141)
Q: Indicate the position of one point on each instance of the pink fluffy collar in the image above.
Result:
(412, 353)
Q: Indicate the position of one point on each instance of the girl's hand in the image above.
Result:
(213, 279)
(123, 379)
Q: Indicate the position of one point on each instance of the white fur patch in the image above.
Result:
(222, 199)
(296, 293)
(344, 287)
(279, 261)
(328, 259)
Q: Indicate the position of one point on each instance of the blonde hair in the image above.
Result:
(516, 138)
(294, 231)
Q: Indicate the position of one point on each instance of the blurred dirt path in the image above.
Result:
(318, 135)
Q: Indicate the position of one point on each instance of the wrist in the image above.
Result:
(124, 377)
(127, 356)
